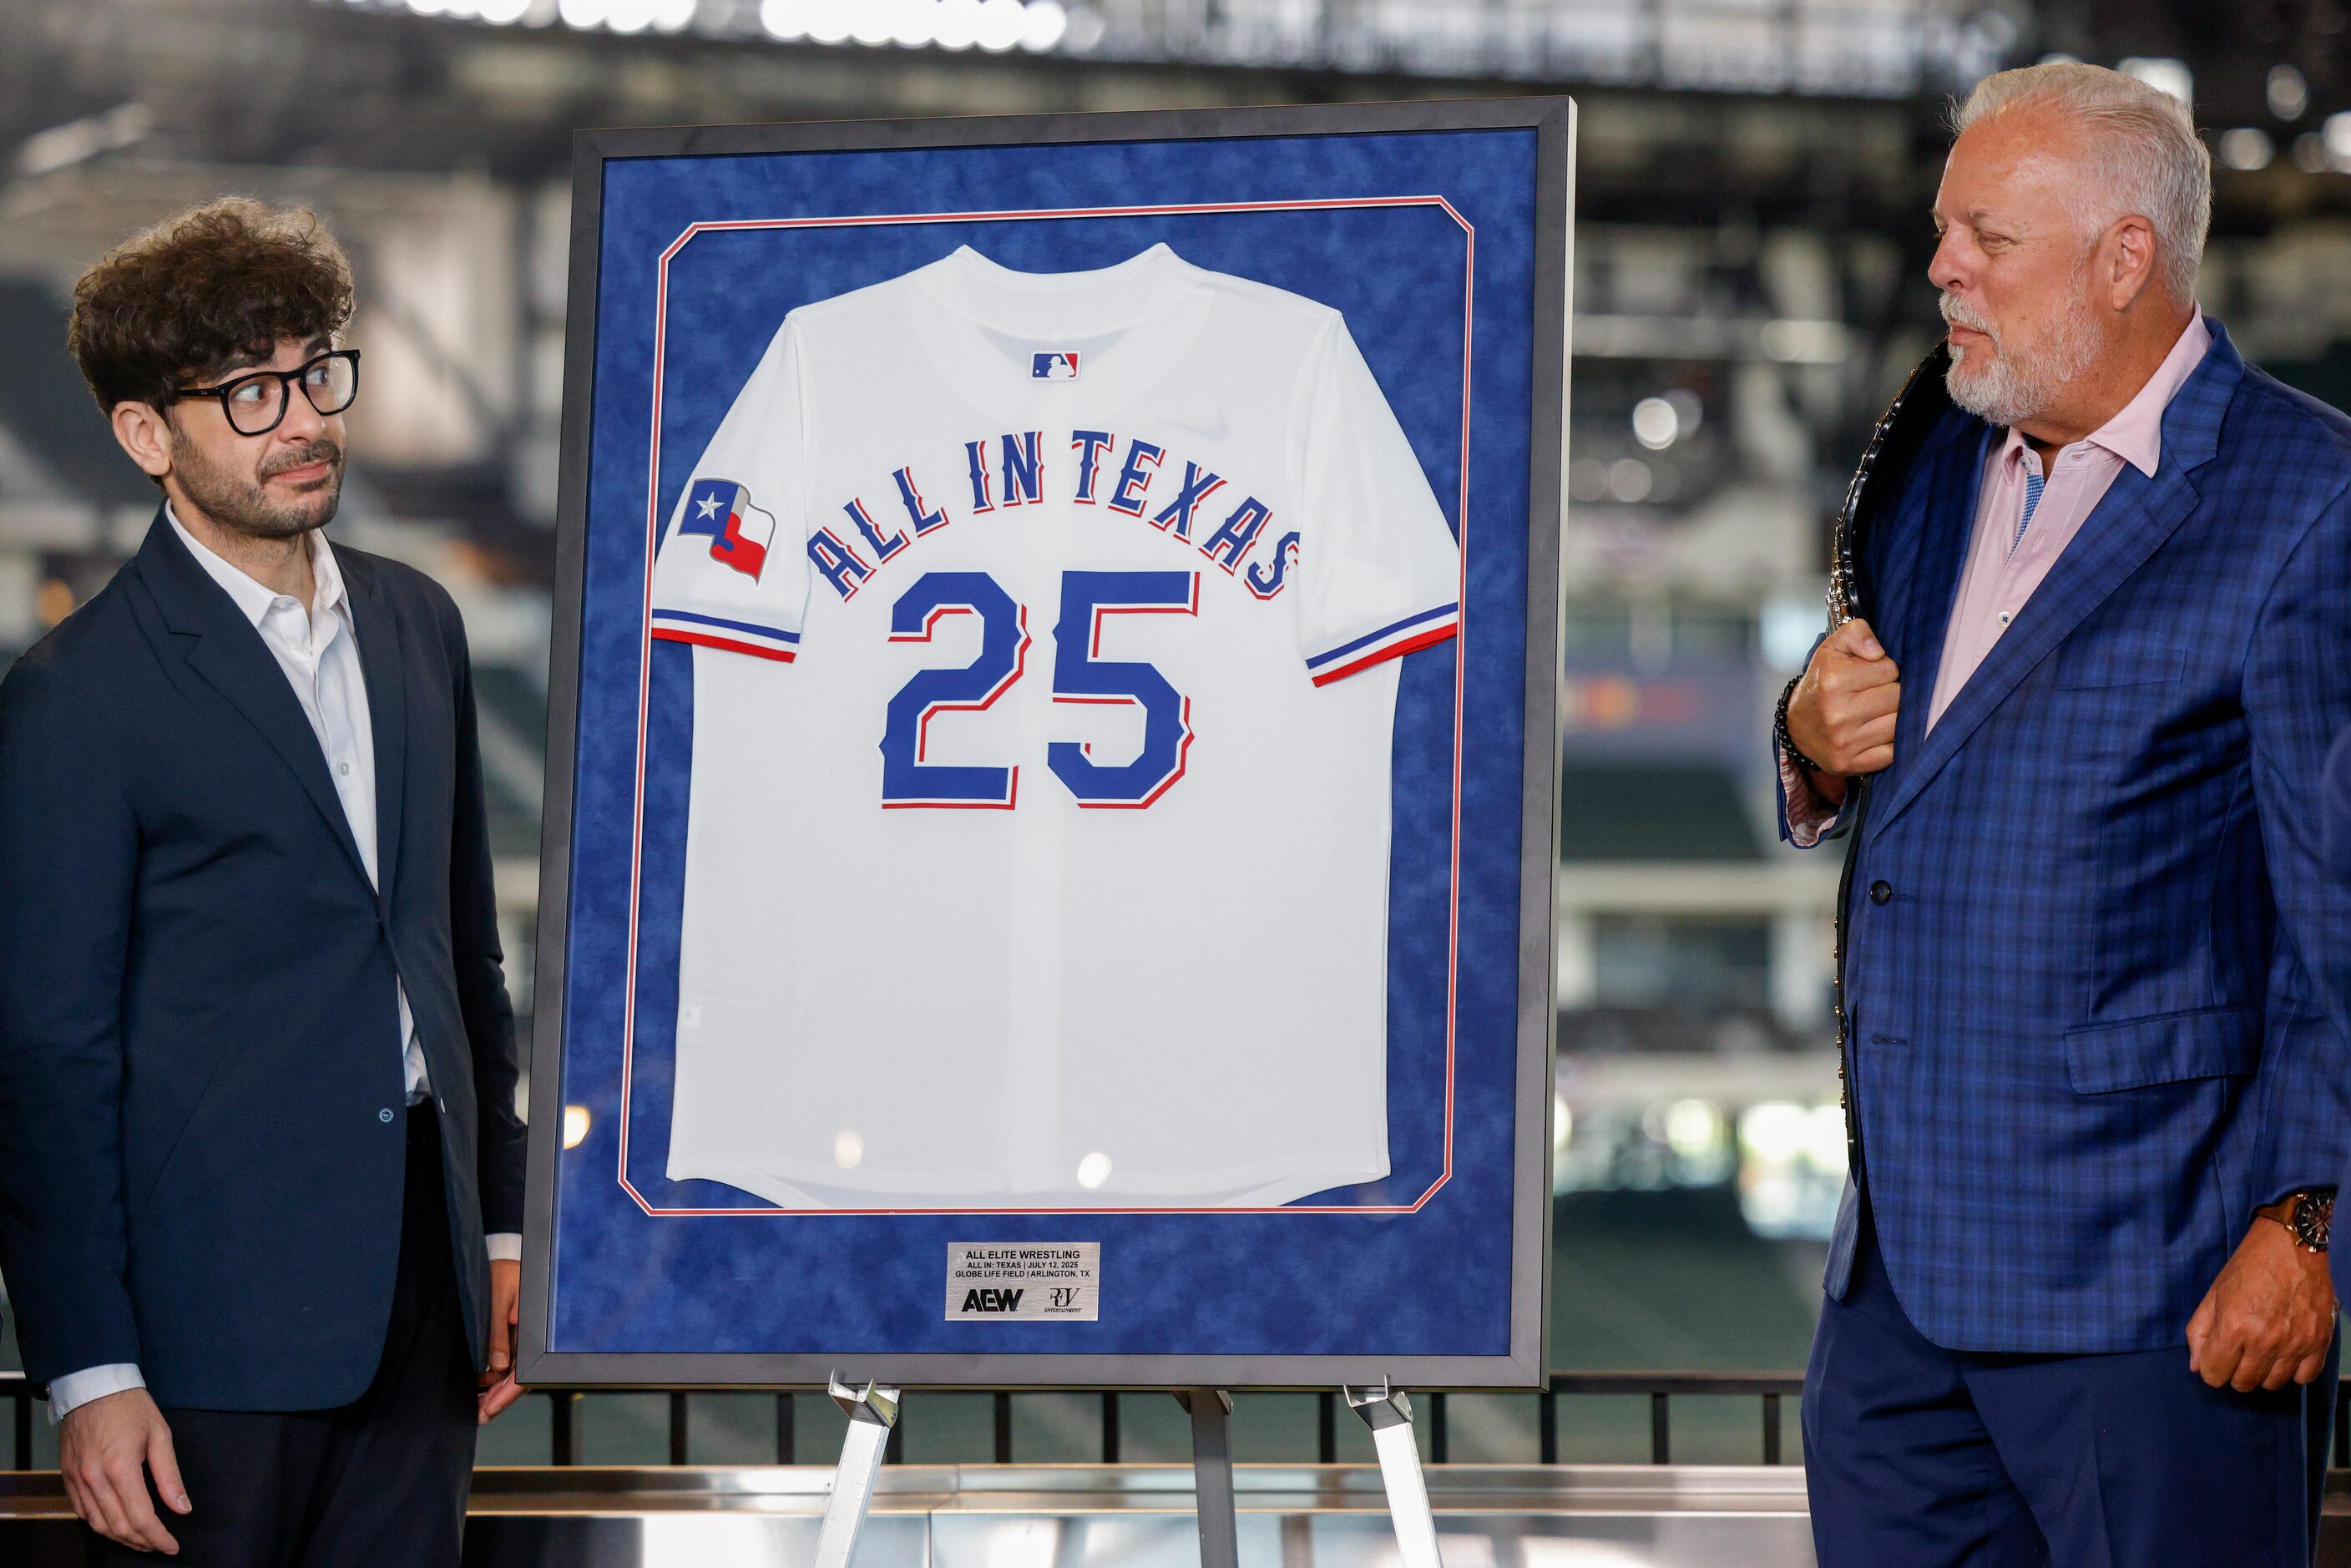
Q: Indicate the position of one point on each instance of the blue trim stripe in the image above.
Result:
(1365, 641)
(730, 625)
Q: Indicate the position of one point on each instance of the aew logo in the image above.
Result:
(1053, 367)
(1022, 1281)
(978, 1300)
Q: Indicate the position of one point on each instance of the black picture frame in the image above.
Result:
(1524, 1364)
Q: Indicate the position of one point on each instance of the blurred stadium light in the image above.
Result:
(1857, 48)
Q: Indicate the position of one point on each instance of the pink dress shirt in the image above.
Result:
(2024, 521)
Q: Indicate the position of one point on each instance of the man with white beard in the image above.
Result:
(2096, 988)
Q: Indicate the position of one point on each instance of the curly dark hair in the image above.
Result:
(216, 287)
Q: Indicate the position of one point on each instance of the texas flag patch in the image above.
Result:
(1055, 366)
(739, 532)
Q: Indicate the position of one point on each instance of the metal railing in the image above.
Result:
(20, 1420)
(1774, 1390)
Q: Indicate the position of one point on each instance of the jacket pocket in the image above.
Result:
(2217, 1042)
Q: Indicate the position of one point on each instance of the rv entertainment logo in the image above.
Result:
(1024, 1280)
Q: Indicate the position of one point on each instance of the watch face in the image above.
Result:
(2314, 1216)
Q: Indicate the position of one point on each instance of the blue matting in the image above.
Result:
(1434, 1282)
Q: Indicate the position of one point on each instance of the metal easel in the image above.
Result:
(1212, 1471)
(872, 1411)
(1388, 1413)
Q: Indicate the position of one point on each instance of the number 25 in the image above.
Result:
(1079, 676)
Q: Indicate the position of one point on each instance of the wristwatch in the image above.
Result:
(2307, 1214)
(1780, 732)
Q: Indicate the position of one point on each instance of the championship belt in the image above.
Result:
(1901, 430)
(1899, 433)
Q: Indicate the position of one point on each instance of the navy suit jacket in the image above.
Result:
(2337, 826)
(2105, 1009)
(202, 1125)
(2337, 840)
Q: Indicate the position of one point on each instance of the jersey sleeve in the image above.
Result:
(1379, 574)
(732, 571)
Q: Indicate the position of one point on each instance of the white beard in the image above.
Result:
(2003, 387)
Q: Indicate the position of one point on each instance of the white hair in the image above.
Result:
(2141, 144)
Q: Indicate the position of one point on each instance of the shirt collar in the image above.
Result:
(254, 598)
(2135, 434)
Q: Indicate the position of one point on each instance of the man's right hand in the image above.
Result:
(1843, 712)
(105, 1449)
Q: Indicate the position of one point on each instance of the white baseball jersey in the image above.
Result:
(1044, 688)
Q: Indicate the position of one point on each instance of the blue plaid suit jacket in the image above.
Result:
(2107, 1010)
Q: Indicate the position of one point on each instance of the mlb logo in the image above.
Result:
(1053, 366)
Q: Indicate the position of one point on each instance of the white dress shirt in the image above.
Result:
(318, 650)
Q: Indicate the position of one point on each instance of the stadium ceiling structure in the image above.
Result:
(497, 85)
(1870, 47)
(1712, 128)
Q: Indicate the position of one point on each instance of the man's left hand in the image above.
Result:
(2268, 1319)
(498, 1386)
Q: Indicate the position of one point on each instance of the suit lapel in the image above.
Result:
(384, 663)
(224, 649)
(2130, 523)
(1953, 476)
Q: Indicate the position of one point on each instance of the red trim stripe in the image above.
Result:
(1409, 646)
(665, 634)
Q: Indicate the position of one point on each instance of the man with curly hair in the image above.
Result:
(257, 1060)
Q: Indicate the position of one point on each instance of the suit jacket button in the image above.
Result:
(1880, 893)
(384, 1114)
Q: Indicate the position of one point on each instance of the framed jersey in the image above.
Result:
(1053, 790)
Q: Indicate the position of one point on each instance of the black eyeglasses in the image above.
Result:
(257, 404)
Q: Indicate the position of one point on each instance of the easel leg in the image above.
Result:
(873, 1410)
(1388, 1414)
(1212, 1470)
